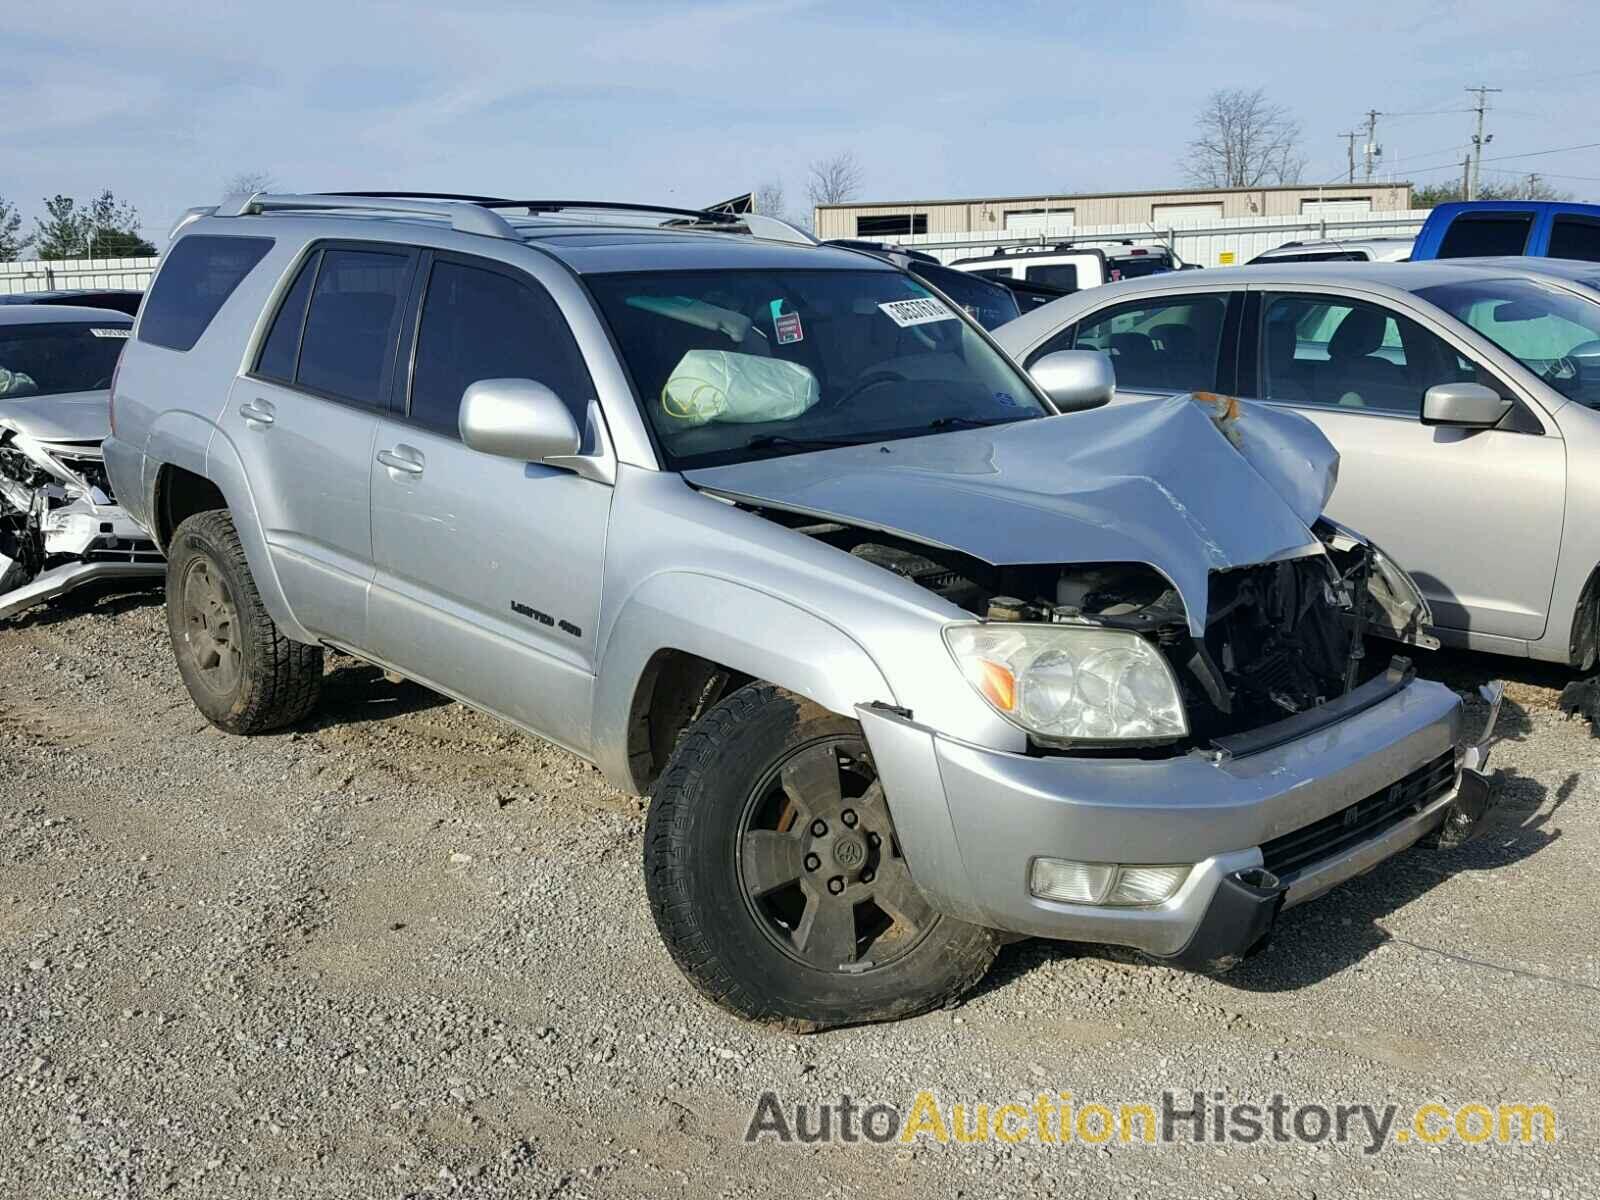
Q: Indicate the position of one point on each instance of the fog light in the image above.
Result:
(1074, 882)
(1148, 885)
(1104, 883)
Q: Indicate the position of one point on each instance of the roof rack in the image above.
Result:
(478, 214)
(467, 218)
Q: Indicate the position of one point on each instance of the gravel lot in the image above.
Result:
(406, 952)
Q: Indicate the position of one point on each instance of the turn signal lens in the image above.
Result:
(998, 685)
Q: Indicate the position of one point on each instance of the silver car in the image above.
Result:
(60, 524)
(1462, 398)
(907, 662)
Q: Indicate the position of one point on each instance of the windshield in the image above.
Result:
(989, 304)
(1553, 333)
(48, 360)
(734, 365)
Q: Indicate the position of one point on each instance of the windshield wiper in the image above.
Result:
(769, 441)
(971, 422)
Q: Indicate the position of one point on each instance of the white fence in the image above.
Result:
(43, 275)
(1208, 243)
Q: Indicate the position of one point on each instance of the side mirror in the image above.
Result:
(517, 418)
(1076, 379)
(1463, 406)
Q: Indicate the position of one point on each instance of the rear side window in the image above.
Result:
(353, 323)
(479, 323)
(282, 346)
(1061, 275)
(1575, 237)
(1471, 236)
(196, 278)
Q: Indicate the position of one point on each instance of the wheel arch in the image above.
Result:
(682, 641)
(1584, 647)
(180, 491)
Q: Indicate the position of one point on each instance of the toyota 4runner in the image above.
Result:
(909, 661)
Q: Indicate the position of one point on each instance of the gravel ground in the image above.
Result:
(406, 952)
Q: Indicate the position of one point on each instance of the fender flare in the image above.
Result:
(224, 468)
(756, 633)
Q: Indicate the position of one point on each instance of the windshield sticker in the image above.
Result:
(906, 313)
(788, 329)
(111, 333)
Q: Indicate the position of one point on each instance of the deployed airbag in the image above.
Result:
(721, 385)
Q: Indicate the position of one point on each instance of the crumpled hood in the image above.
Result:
(73, 417)
(1152, 481)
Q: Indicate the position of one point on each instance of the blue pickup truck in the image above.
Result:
(1545, 228)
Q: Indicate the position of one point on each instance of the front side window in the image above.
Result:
(1339, 353)
(353, 323)
(738, 364)
(1473, 236)
(197, 275)
(484, 324)
(1169, 344)
(1555, 334)
(54, 359)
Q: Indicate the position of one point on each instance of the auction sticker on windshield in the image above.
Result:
(906, 313)
(111, 333)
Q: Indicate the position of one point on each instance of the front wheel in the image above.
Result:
(776, 879)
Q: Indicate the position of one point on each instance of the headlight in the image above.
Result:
(1068, 683)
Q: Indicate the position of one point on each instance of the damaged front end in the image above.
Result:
(60, 526)
(1279, 640)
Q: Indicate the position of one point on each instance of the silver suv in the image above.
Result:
(774, 532)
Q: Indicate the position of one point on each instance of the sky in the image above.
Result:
(690, 103)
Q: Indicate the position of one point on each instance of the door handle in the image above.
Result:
(403, 459)
(257, 412)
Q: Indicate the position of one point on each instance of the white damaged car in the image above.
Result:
(60, 527)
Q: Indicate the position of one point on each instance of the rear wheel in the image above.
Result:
(243, 674)
(775, 876)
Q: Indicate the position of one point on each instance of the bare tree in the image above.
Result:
(1243, 140)
(834, 180)
(769, 199)
(246, 184)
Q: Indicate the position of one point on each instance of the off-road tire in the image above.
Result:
(277, 680)
(694, 886)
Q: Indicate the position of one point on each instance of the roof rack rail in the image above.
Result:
(534, 207)
(478, 214)
(466, 217)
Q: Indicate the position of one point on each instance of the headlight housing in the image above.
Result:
(1071, 684)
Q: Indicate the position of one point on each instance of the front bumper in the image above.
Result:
(970, 820)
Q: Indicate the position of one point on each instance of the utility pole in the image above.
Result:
(1478, 140)
(1350, 151)
(1466, 175)
(1533, 186)
(1373, 150)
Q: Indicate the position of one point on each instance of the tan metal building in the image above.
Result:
(1058, 214)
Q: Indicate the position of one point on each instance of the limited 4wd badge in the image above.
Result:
(906, 313)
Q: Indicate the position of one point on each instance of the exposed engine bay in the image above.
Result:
(1280, 638)
(60, 526)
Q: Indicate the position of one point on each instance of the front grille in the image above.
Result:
(1289, 855)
